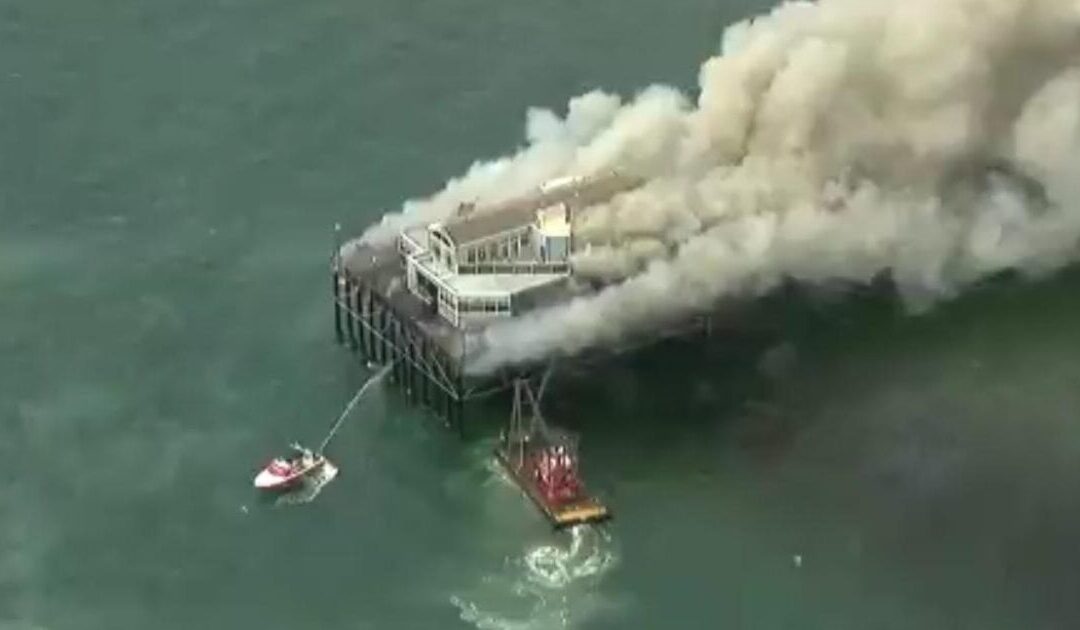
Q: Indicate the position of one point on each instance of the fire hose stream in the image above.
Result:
(352, 403)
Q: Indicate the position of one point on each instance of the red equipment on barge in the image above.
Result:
(544, 463)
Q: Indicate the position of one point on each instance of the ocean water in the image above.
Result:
(170, 174)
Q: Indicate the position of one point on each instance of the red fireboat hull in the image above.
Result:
(270, 482)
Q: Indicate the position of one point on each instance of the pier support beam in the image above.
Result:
(338, 282)
(364, 311)
(354, 327)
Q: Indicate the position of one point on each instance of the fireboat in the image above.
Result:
(286, 473)
(543, 461)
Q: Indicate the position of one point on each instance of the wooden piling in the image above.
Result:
(336, 277)
(364, 318)
(351, 291)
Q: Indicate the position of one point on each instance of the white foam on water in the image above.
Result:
(310, 488)
(497, 474)
(550, 585)
(589, 554)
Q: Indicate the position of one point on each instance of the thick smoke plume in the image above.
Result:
(934, 141)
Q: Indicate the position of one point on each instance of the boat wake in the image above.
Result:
(588, 555)
(547, 586)
(309, 488)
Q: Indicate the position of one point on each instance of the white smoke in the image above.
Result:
(552, 145)
(933, 141)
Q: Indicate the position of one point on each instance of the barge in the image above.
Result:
(543, 461)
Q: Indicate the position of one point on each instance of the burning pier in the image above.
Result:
(422, 303)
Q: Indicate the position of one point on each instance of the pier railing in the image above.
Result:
(515, 267)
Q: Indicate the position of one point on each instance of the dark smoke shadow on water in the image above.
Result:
(735, 379)
(746, 373)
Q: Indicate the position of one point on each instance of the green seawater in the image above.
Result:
(170, 172)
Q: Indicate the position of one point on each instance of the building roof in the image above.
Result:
(489, 222)
(514, 213)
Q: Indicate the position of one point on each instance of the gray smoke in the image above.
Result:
(934, 141)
